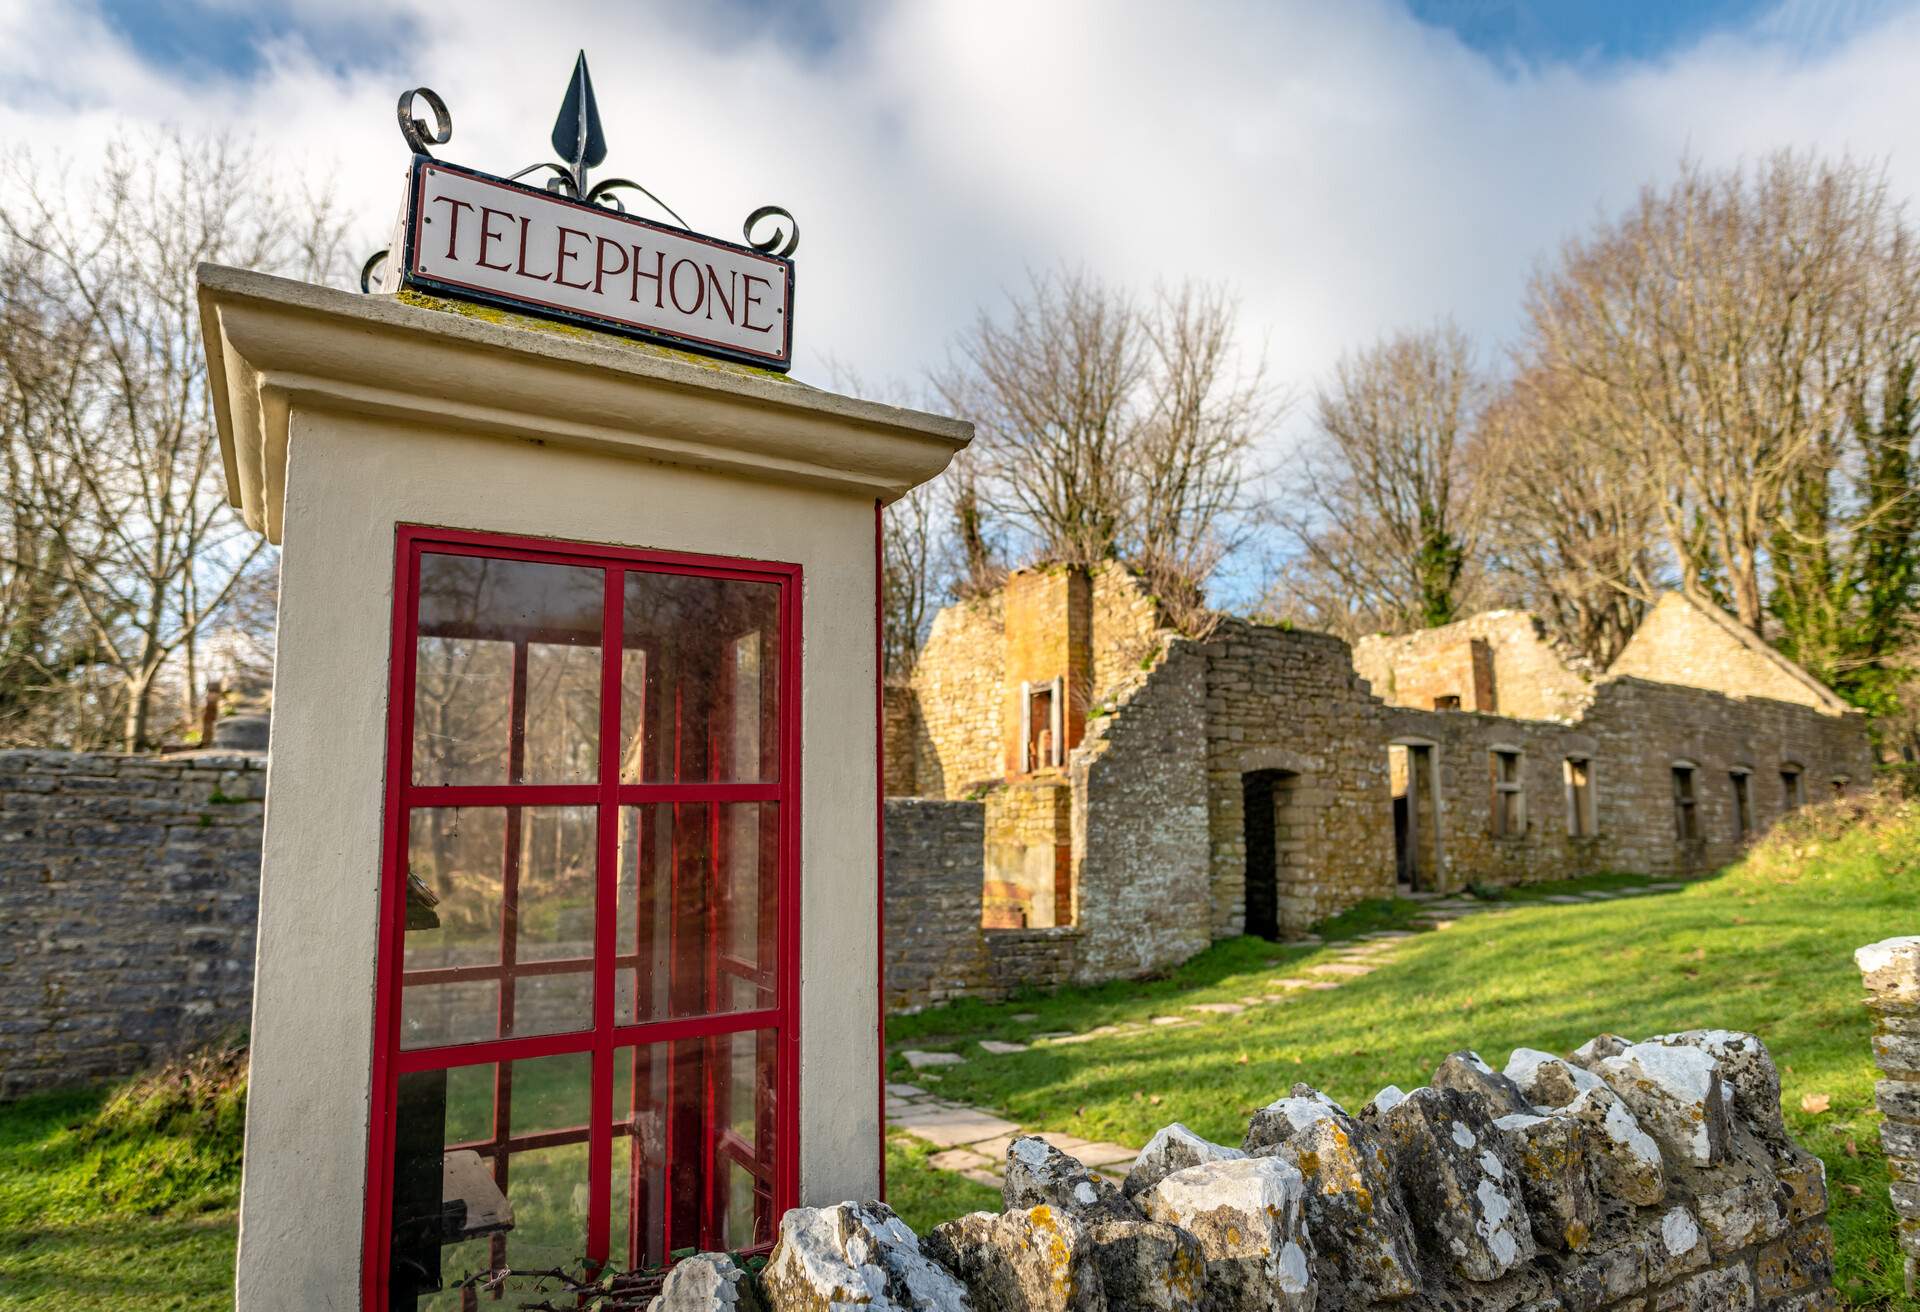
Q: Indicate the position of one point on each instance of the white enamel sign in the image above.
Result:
(481, 238)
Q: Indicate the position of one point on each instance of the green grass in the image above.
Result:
(1766, 946)
(925, 1196)
(113, 1201)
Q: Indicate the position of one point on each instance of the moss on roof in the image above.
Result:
(509, 319)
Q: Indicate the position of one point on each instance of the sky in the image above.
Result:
(1348, 167)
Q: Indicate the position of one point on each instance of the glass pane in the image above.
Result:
(467, 1200)
(685, 1113)
(498, 896)
(506, 672)
(695, 932)
(699, 684)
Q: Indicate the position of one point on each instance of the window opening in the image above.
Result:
(1042, 725)
(1685, 823)
(1447, 702)
(1793, 789)
(587, 999)
(1742, 804)
(1580, 817)
(1509, 797)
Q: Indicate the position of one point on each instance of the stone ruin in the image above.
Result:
(1628, 1177)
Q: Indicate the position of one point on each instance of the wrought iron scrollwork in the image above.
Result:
(415, 130)
(578, 139)
(374, 261)
(783, 242)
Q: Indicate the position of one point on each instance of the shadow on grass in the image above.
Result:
(156, 1266)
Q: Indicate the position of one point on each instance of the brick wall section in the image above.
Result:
(958, 685)
(1518, 671)
(1682, 641)
(934, 947)
(1140, 825)
(128, 891)
(1891, 970)
(1283, 699)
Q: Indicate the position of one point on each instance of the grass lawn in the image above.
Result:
(1766, 946)
(112, 1204)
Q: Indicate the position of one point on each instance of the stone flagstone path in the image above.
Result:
(973, 1141)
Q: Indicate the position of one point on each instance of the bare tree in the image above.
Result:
(1714, 325)
(908, 541)
(1107, 428)
(1383, 514)
(1574, 529)
(151, 550)
(1051, 390)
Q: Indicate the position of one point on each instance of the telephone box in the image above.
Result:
(570, 902)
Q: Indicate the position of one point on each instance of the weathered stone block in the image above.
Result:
(1250, 1220)
(1676, 1246)
(1173, 1148)
(1549, 1156)
(707, 1282)
(1466, 1073)
(1035, 1258)
(1038, 1173)
(1363, 1240)
(855, 1255)
(1676, 1093)
(1802, 1259)
(1547, 1080)
(1727, 1290)
(1471, 1210)
(1149, 1265)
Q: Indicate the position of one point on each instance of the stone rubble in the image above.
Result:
(1532, 1190)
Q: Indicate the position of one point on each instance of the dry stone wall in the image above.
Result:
(128, 891)
(1625, 1177)
(1891, 970)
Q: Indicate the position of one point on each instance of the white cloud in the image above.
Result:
(1348, 170)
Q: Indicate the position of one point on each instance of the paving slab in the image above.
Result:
(921, 1060)
(980, 1175)
(1024, 1017)
(906, 1091)
(994, 1149)
(1380, 934)
(1217, 1008)
(1103, 1154)
(1347, 969)
(960, 1159)
(1303, 983)
(1074, 1038)
(1563, 899)
(999, 1048)
(1665, 886)
(953, 1127)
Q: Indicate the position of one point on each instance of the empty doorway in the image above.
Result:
(1416, 815)
(1276, 844)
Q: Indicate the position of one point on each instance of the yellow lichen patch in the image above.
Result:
(1576, 1235)
(508, 319)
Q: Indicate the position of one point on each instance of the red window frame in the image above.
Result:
(609, 795)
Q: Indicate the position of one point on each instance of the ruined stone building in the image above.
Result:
(1079, 793)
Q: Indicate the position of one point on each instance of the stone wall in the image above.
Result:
(1627, 1177)
(1029, 876)
(1686, 642)
(1128, 636)
(933, 873)
(1891, 969)
(900, 730)
(1289, 701)
(128, 891)
(1499, 661)
(958, 686)
(1140, 825)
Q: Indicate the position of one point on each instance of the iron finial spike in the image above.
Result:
(577, 137)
